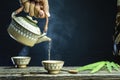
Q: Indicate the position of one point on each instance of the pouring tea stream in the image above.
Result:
(25, 30)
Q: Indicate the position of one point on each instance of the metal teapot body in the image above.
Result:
(25, 30)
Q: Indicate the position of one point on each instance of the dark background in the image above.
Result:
(81, 32)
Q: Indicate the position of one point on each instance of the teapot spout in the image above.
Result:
(42, 39)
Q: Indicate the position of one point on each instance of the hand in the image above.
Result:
(36, 8)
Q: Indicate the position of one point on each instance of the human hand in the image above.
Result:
(36, 8)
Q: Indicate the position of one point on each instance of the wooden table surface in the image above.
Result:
(38, 73)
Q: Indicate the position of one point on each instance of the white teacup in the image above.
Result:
(20, 61)
(53, 66)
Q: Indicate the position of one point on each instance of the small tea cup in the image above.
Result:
(53, 66)
(20, 61)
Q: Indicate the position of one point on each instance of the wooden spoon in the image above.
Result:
(70, 71)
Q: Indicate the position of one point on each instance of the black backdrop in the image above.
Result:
(81, 32)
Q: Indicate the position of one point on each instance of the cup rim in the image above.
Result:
(52, 61)
(20, 57)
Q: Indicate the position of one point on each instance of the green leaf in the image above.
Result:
(109, 66)
(98, 67)
(89, 66)
(114, 66)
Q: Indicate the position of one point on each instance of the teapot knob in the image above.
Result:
(30, 18)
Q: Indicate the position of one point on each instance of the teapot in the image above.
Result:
(25, 30)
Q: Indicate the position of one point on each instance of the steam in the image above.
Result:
(24, 51)
(61, 28)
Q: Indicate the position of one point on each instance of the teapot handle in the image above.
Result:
(46, 25)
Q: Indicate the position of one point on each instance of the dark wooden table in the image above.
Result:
(38, 73)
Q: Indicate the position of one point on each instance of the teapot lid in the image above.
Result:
(28, 24)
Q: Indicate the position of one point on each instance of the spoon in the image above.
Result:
(70, 71)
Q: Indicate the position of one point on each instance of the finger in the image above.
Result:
(46, 25)
(36, 10)
(46, 7)
(19, 10)
(41, 14)
(26, 6)
(22, 1)
(31, 9)
(41, 7)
